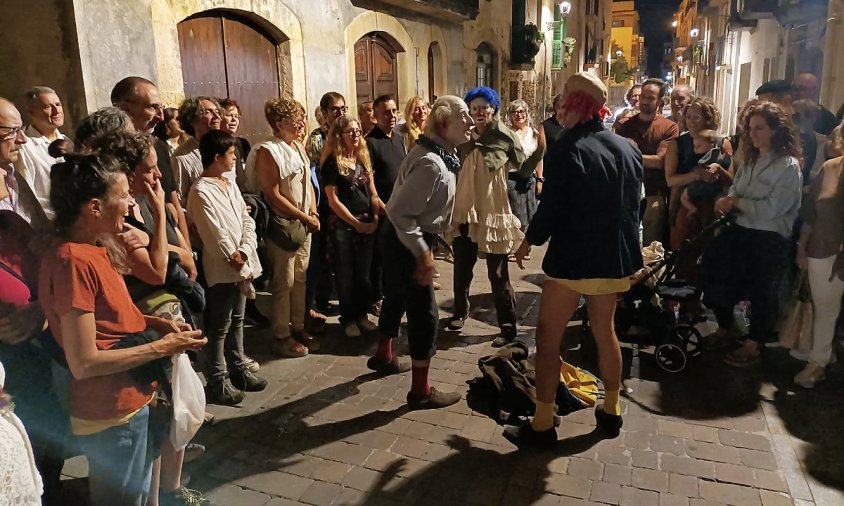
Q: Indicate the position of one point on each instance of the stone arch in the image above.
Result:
(274, 17)
(371, 21)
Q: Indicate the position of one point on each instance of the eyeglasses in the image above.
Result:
(353, 133)
(519, 113)
(339, 109)
(12, 133)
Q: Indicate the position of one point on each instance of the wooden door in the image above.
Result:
(225, 56)
(375, 69)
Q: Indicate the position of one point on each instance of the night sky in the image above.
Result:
(655, 25)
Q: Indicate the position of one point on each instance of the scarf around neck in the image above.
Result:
(451, 161)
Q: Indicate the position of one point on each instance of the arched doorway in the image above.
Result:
(226, 55)
(485, 66)
(376, 67)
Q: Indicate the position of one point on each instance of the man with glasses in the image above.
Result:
(197, 117)
(15, 194)
(319, 279)
(804, 86)
(141, 100)
(35, 163)
(387, 152)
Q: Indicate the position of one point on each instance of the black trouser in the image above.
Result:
(743, 262)
(224, 328)
(324, 280)
(465, 257)
(376, 276)
(403, 294)
(352, 259)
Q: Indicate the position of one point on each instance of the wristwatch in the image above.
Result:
(540, 179)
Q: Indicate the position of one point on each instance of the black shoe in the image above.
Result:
(243, 379)
(607, 423)
(395, 366)
(507, 336)
(456, 322)
(223, 393)
(433, 400)
(523, 436)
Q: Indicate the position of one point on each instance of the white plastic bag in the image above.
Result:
(188, 402)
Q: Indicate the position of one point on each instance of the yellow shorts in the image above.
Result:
(595, 286)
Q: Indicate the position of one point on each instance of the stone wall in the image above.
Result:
(40, 48)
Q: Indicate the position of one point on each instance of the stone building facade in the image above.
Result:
(251, 50)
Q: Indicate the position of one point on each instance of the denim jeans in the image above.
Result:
(403, 294)
(352, 263)
(120, 462)
(224, 309)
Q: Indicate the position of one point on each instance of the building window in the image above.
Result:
(617, 23)
(557, 39)
(484, 66)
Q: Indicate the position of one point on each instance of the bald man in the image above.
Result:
(15, 194)
(681, 95)
(805, 86)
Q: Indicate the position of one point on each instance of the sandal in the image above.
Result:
(308, 340)
(288, 347)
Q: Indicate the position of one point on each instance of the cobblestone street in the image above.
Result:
(326, 431)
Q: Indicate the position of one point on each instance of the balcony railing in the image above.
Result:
(455, 11)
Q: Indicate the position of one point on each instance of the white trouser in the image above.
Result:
(826, 304)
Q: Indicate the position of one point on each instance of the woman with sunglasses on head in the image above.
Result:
(355, 206)
(522, 191)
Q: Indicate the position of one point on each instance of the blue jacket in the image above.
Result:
(590, 205)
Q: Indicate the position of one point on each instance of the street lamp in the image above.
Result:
(565, 7)
(694, 32)
(674, 24)
(619, 53)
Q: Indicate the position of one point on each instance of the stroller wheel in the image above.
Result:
(688, 338)
(671, 357)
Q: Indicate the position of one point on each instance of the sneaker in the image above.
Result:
(192, 452)
(811, 375)
(607, 423)
(365, 325)
(223, 393)
(456, 322)
(351, 330)
(375, 310)
(434, 400)
(251, 364)
(523, 436)
(183, 496)
(395, 366)
(244, 380)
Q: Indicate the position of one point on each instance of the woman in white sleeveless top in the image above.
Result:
(522, 192)
(278, 169)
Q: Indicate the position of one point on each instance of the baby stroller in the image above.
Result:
(661, 310)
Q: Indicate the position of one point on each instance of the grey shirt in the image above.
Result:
(769, 190)
(422, 199)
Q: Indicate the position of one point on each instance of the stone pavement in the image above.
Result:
(326, 431)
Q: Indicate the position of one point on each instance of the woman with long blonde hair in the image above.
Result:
(355, 206)
(415, 113)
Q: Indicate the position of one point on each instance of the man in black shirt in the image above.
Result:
(804, 86)
(387, 152)
(553, 126)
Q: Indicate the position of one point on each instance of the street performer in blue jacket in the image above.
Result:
(590, 214)
(420, 207)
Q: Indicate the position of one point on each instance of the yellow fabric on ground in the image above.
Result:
(581, 384)
(543, 419)
(611, 404)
